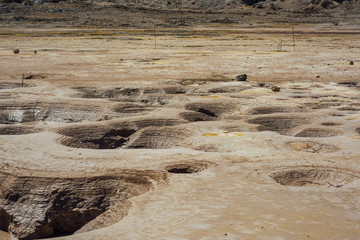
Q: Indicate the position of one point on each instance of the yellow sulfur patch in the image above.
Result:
(210, 134)
(222, 134)
(209, 96)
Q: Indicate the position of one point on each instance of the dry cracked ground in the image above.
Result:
(112, 138)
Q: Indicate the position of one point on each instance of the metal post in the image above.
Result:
(293, 33)
(154, 36)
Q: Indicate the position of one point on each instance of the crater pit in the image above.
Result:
(187, 168)
(318, 133)
(39, 207)
(315, 177)
(280, 124)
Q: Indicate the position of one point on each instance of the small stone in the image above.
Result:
(275, 89)
(317, 76)
(241, 77)
(35, 51)
(351, 63)
(16, 51)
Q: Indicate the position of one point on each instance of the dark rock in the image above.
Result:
(351, 63)
(328, 4)
(241, 77)
(16, 51)
(35, 51)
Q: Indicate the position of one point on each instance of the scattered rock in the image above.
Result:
(35, 51)
(351, 63)
(241, 77)
(275, 89)
(16, 51)
(317, 76)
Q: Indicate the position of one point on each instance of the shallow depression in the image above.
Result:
(316, 177)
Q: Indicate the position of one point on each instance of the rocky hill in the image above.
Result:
(170, 13)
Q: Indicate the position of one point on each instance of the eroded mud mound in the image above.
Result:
(116, 135)
(318, 133)
(280, 124)
(87, 92)
(270, 110)
(160, 137)
(18, 130)
(38, 207)
(175, 90)
(188, 168)
(130, 108)
(228, 89)
(315, 177)
(349, 108)
(14, 113)
(152, 122)
(322, 105)
(52, 112)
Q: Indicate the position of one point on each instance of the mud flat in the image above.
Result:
(110, 138)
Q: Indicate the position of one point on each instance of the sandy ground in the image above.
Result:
(245, 192)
